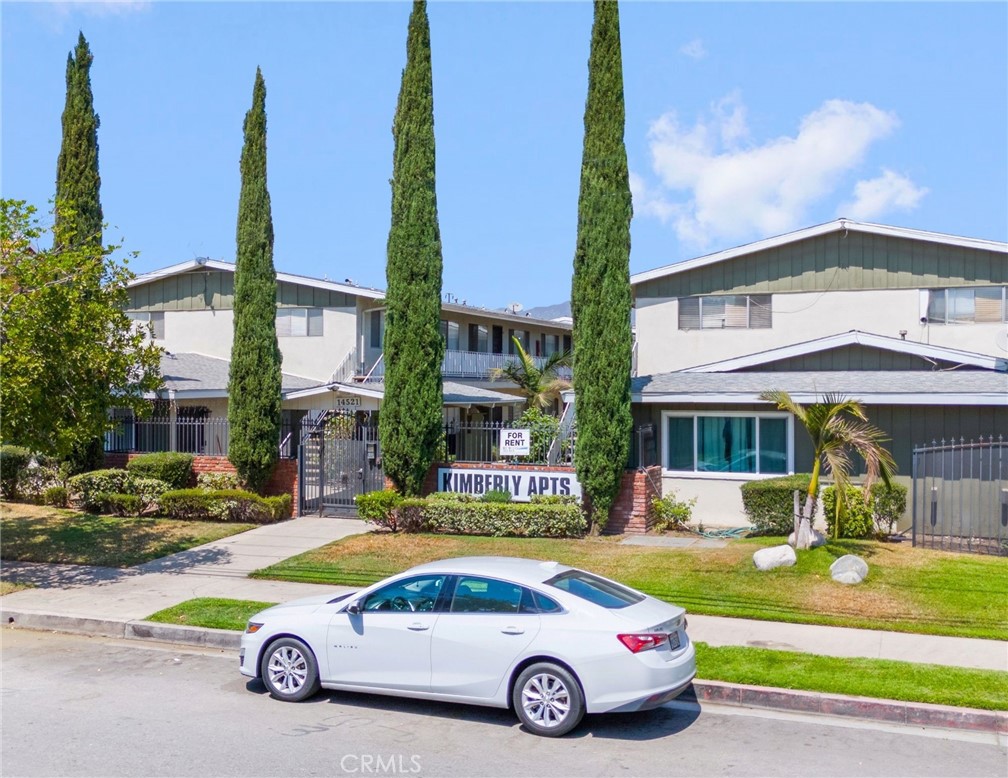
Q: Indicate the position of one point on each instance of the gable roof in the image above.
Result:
(837, 225)
(192, 375)
(203, 263)
(453, 393)
(851, 338)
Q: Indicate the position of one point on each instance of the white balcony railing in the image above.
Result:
(464, 364)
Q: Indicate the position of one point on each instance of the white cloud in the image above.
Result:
(694, 49)
(739, 189)
(877, 196)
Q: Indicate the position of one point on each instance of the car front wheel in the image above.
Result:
(289, 670)
(548, 700)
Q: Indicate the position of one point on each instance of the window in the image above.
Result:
(376, 329)
(299, 322)
(154, 318)
(594, 589)
(486, 595)
(523, 338)
(959, 305)
(450, 334)
(478, 338)
(718, 312)
(727, 443)
(417, 594)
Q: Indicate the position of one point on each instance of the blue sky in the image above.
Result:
(744, 120)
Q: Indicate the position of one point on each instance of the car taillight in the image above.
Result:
(642, 641)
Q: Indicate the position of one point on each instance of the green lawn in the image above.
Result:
(213, 612)
(880, 678)
(36, 533)
(908, 589)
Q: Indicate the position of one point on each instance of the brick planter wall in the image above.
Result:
(283, 481)
(632, 513)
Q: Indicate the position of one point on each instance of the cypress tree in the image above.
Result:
(410, 423)
(254, 382)
(78, 211)
(600, 289)
(78, 206)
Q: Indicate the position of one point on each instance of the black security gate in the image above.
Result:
(339, 458)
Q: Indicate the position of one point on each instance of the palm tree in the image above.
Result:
(836, 426)
(539, 385)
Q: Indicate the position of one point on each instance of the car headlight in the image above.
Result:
(253, 627)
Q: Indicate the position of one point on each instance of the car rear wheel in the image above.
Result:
(289, 670)
(548, 700)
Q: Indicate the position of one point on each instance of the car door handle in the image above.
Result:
(418, 627)
(513, 631)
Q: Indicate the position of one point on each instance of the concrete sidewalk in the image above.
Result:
(105, 601)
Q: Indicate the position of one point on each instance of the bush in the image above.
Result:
(856, 518)
(888, 505)
(117, 504)
(543, 428)
(554, 499)
(671, 513)
(496, 495)
(57, 496)
(379, 508)
(172, 467)
(497, 519)
(40, 475)
(214, 481)
(234, 505)
(148, 490)
(88, 485)
(769, 503)
(453, 497)
(13, 462)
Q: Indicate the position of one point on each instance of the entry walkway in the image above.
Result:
(101, 600)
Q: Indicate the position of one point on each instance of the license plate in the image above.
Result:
(673, 640)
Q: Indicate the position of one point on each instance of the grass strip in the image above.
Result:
(211, 612)
(879, 678)
(36, 533)
(907, 590)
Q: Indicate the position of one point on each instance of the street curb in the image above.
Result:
(716, 692)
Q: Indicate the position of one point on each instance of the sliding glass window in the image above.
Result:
(726, 443)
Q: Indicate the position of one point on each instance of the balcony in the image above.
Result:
(456, 364)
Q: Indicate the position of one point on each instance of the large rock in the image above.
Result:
(818, 539)
(775, 556)
(849, 569)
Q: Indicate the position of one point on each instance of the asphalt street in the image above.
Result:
(79, 706)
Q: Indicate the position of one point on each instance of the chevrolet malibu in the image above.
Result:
(549, 641)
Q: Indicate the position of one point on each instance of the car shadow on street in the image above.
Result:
(642, 725)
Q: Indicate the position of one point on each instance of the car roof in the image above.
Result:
(517, 569)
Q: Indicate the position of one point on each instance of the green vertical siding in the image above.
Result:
(200, 290)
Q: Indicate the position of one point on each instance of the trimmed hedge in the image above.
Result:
(118, 504)
(214, 481)
(14, 460)
(172, 467)
(148, 491)
(233, 505)
(495, 519)
(87, 486)
(769, 503)
(57, 496)
(856, 519)
(888, 505)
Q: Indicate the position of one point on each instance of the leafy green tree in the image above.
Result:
(539, 385)
(254, 385)
(68, 351)
(410, 424)
(79, 211)
(837, 426)
(600, 291)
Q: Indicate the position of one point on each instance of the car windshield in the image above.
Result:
(594, 589)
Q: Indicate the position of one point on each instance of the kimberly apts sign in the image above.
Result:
(522, 484)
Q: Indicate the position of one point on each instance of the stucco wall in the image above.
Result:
(797, 317)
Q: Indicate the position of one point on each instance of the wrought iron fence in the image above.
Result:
(480, 442)
(205, 436)
(960, 496)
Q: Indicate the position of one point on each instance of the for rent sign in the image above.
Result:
(522, 484)
(514, 442)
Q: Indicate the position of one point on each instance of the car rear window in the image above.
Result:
(594, 589)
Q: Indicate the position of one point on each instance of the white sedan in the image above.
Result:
(550, 641)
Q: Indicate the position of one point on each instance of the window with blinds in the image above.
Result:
(299, 322)
(719, 312)
(962, 305)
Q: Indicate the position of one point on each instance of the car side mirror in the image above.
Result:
(353, 608)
